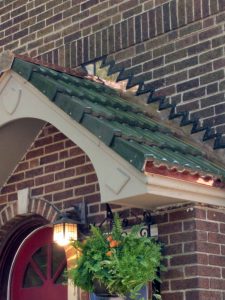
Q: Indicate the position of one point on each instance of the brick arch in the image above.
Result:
(7, 213)
(40, 207)
(36, 206)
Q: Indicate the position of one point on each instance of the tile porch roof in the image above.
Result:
(121, 125)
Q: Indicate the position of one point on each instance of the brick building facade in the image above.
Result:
(174, 52)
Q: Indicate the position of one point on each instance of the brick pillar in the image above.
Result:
(194, 238)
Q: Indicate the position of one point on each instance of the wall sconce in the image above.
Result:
(64, 230)
(66, 225)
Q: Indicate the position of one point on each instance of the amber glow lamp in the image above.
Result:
(65, 228)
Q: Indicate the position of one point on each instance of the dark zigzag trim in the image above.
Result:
(148, 88)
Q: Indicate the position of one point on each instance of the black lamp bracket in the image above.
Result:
(77, 213)
(109, 216)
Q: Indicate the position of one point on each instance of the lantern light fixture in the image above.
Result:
(68, 222)
(65, 228)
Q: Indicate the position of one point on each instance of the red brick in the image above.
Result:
(202, 247)
(54, 167)
(92, 198)
(12, 29)
(34, 172)
(216, 238)
(25, 184)
(173, 249)
(203, 295)
(75, 182)
(79, 160)
(64, 174)
(16, 177)
(216, 216)
(34, 153)
(200, 213)
(173, 273)
(20, 18)
(34, 163)
(76, 151)
(182, 214)
(94, 208)
(191, 283)
(53, 187)
(84, 169)
(59, 137)
(49, 158)
(170, 228)
(202, 271)
(217, 284)
(87, 189)
(164, 286)
(21, 166)
(91, 178)
(189, 259)
(37, 191)
(174, 296)
(222, 228)
(3, 199)
(188, 236)
(63, 195)
(89, 21)
(63, 154)
(43, 141)
(44, 179)
(128, 4)
(216, 260)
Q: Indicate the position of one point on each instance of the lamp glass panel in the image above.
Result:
(64, 233)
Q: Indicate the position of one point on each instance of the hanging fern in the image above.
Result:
(124, 264)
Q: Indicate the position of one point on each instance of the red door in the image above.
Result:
(38, 272)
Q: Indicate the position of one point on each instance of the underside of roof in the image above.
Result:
(122, 126)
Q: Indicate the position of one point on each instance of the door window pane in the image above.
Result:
(31, 279)
(40, 257)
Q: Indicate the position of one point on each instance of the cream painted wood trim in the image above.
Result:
(185, 191)
(23, 201)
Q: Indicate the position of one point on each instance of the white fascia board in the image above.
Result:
(184, 191)
(165, 191)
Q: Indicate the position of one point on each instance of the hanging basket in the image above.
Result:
(100, 290)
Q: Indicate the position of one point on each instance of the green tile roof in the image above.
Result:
(121, 125)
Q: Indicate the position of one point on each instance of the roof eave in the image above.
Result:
(120, 182)
(165, 191)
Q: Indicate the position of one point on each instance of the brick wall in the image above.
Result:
(195, 239)
(176, 46)
(56, 169)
